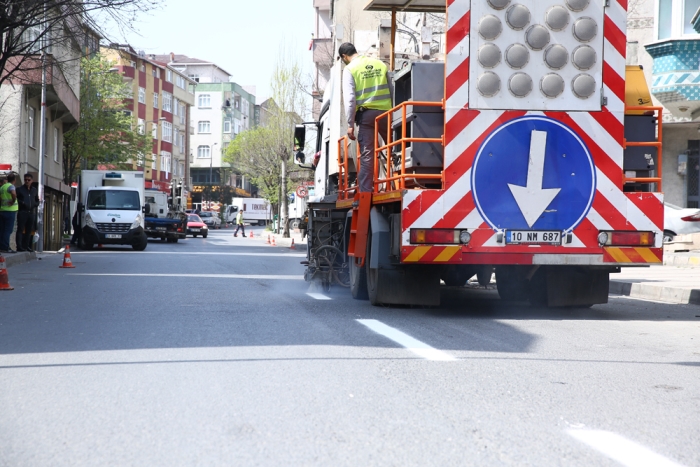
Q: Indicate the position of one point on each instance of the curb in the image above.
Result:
(683, 261)
(655, 292)
(19, 258)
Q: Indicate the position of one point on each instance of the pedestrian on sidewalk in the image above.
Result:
(77, 230)
(8, 212)
(27, 201)
(239, 223)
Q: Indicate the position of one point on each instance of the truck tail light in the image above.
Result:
(626, 238)
(440, 236)
(694, 218)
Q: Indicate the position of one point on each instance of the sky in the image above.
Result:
(244, 37)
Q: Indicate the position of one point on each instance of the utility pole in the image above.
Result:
(283, 200)
(42, 141)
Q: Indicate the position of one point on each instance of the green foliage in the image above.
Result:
(105, 134)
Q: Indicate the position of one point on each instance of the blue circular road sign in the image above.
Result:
(533, 173)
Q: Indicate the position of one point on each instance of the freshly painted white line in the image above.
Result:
(214, 276)
(414, 345)
(114, 252)
(318, 296)
(621, 449)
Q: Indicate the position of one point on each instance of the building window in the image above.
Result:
(140, 159)
(154, 158)
(165, 162)
(30, 136)
(143, 67)
(203, 152)
(204, 127)
(182, 141)
(204, 101)
(167, 132)
(169, 76)
(155, 100)
(180, 81)
(167, 102)
(194, 78)
(56, 147)
(142, 95)
(227, 126)
(176, 106)
(154, 131)
(673, 18)
(182, 114)
(142, 126)
(132, 64)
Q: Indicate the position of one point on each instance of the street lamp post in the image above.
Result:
(211, 179)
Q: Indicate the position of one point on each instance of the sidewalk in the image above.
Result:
(676, 281)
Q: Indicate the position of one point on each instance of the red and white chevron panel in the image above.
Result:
(467, 127)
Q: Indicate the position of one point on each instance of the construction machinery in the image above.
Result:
(529, 149)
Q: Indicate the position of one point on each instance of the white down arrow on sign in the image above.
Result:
(532, 199)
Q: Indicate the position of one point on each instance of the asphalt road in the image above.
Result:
(214, 352)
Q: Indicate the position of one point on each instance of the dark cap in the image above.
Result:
(346, 48)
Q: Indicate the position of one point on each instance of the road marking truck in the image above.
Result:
(111, 207)
(527, 148)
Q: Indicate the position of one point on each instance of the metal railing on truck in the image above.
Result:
(658, 144)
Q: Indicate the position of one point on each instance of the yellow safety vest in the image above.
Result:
(371, 85)
(6, 199)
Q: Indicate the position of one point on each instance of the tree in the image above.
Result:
(263, 153)
(106, 134)
(31, 27)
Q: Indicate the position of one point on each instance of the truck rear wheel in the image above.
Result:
(511, 282)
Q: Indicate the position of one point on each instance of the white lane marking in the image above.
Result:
(621, 449)
(292, 255)
(215, 276)
(318, 296)
(414, 345)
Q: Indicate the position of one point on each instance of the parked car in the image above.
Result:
(211, 218)
(195, 226)
(680, 221)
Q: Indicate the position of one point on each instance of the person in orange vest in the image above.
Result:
(366, 95)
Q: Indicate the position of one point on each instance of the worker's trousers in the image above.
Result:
(365, 138)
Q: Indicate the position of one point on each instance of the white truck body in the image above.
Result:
(255, 210)
(111, 205)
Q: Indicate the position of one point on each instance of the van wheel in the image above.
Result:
(194, 235)
(205, 235)
(140, 244)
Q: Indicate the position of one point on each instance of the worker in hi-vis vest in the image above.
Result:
(367, 95)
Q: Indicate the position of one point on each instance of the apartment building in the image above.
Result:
(20, 122)
(222, 109)
(162, 101)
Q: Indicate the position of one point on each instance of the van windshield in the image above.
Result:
(113, 199)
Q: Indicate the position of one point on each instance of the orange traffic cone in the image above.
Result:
(292, 247)
(4, 282)
(268, 239)
(251, 234)
(273, 241)
(67, 263)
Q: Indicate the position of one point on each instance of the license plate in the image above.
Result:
(533, 237)
(161, 228)
(113, 236)
(195, 230)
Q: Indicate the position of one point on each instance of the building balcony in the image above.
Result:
(60, 98)
(675, 76)
(323, 52)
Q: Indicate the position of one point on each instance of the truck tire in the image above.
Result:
(83, 245)
(511, 283)
(358, 281)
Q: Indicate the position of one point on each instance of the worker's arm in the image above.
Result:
(349, 99)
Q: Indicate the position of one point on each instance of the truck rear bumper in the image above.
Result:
(93, 236)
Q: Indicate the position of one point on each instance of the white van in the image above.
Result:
(255, 210)
(111, 207)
